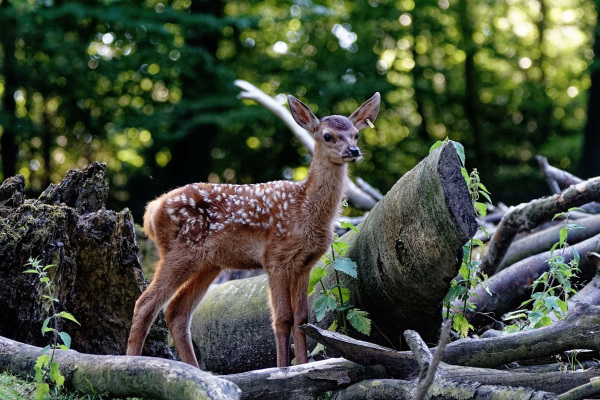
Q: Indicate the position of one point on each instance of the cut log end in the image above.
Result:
(456, 191)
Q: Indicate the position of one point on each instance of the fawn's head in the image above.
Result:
(336, 135)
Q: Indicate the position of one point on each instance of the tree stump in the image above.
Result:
(97, 275)
(408, 250)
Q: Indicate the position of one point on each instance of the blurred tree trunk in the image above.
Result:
(590, 162)
(8, 145)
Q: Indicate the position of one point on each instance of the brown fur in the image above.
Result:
(284, 227)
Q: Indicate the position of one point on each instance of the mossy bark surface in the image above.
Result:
(97, 275)
(121, 376)
(408, 250)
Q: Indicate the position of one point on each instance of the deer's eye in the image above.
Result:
(356, 137)
(327, 137)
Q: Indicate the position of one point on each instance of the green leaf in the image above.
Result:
(483, 188)
(484, 231)
(349, 225)
(55, 374)
(460, 150)
(316, 275)
(45, 325)
(69, 316)
(66, 338)
(563, 306)
(318, 349)
(576, 209)
(47, 267)
(30, 271)
(324, 303)
(435, 146)
(510, 316)
(563, 235)
(534, 317)
(346, 266)
(465, 174)
(551, 303)
(544, 321)
(461, 325)
(41, 390)
(454, 293)
(558, 215)
(477, 242)
(340, 247)
(481, 208)
(359, 321)
(487, 197)
(345, 294)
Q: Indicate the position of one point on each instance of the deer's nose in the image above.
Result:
(354, 151)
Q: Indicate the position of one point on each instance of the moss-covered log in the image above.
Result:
(407, 252)
(306, 381)
(97, 275)
(441, 389)
(121, 376)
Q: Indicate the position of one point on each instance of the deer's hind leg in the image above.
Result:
(171, 272)
(180, 309)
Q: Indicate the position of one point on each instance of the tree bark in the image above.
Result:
(121, 376)
(407, 252)
(529, 215)
(97, 275)
(305, 381)
(511, 286)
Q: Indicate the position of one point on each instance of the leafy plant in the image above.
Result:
(555, 285)
(470, 274)
(337, 298)
(45, 367)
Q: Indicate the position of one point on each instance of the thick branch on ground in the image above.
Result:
(356, 197)
(543, 240)
(576, 331)
(384, 389)
(305, 381)
(402, 365)
(511, 286)
(556, 177)
(529, 215)
(402, 277)
(121, 376)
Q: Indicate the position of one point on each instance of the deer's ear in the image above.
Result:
(368, 110)
(302, 115)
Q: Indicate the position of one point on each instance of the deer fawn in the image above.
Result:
(284, 227)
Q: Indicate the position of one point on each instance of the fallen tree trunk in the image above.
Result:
(529, 215)
(543, 240)
(511, 286)
(408, 250)
(306, 381)
(121, 376)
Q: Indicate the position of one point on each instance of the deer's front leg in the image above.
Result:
(300, 307)
(283, 318)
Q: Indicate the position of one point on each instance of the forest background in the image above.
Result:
(147, 87)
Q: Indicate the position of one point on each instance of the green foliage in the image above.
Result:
(337, 298)
(46, 369)
(147, 87)
(553, 286)
(470, 274)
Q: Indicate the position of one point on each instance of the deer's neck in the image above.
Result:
(324, 190)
